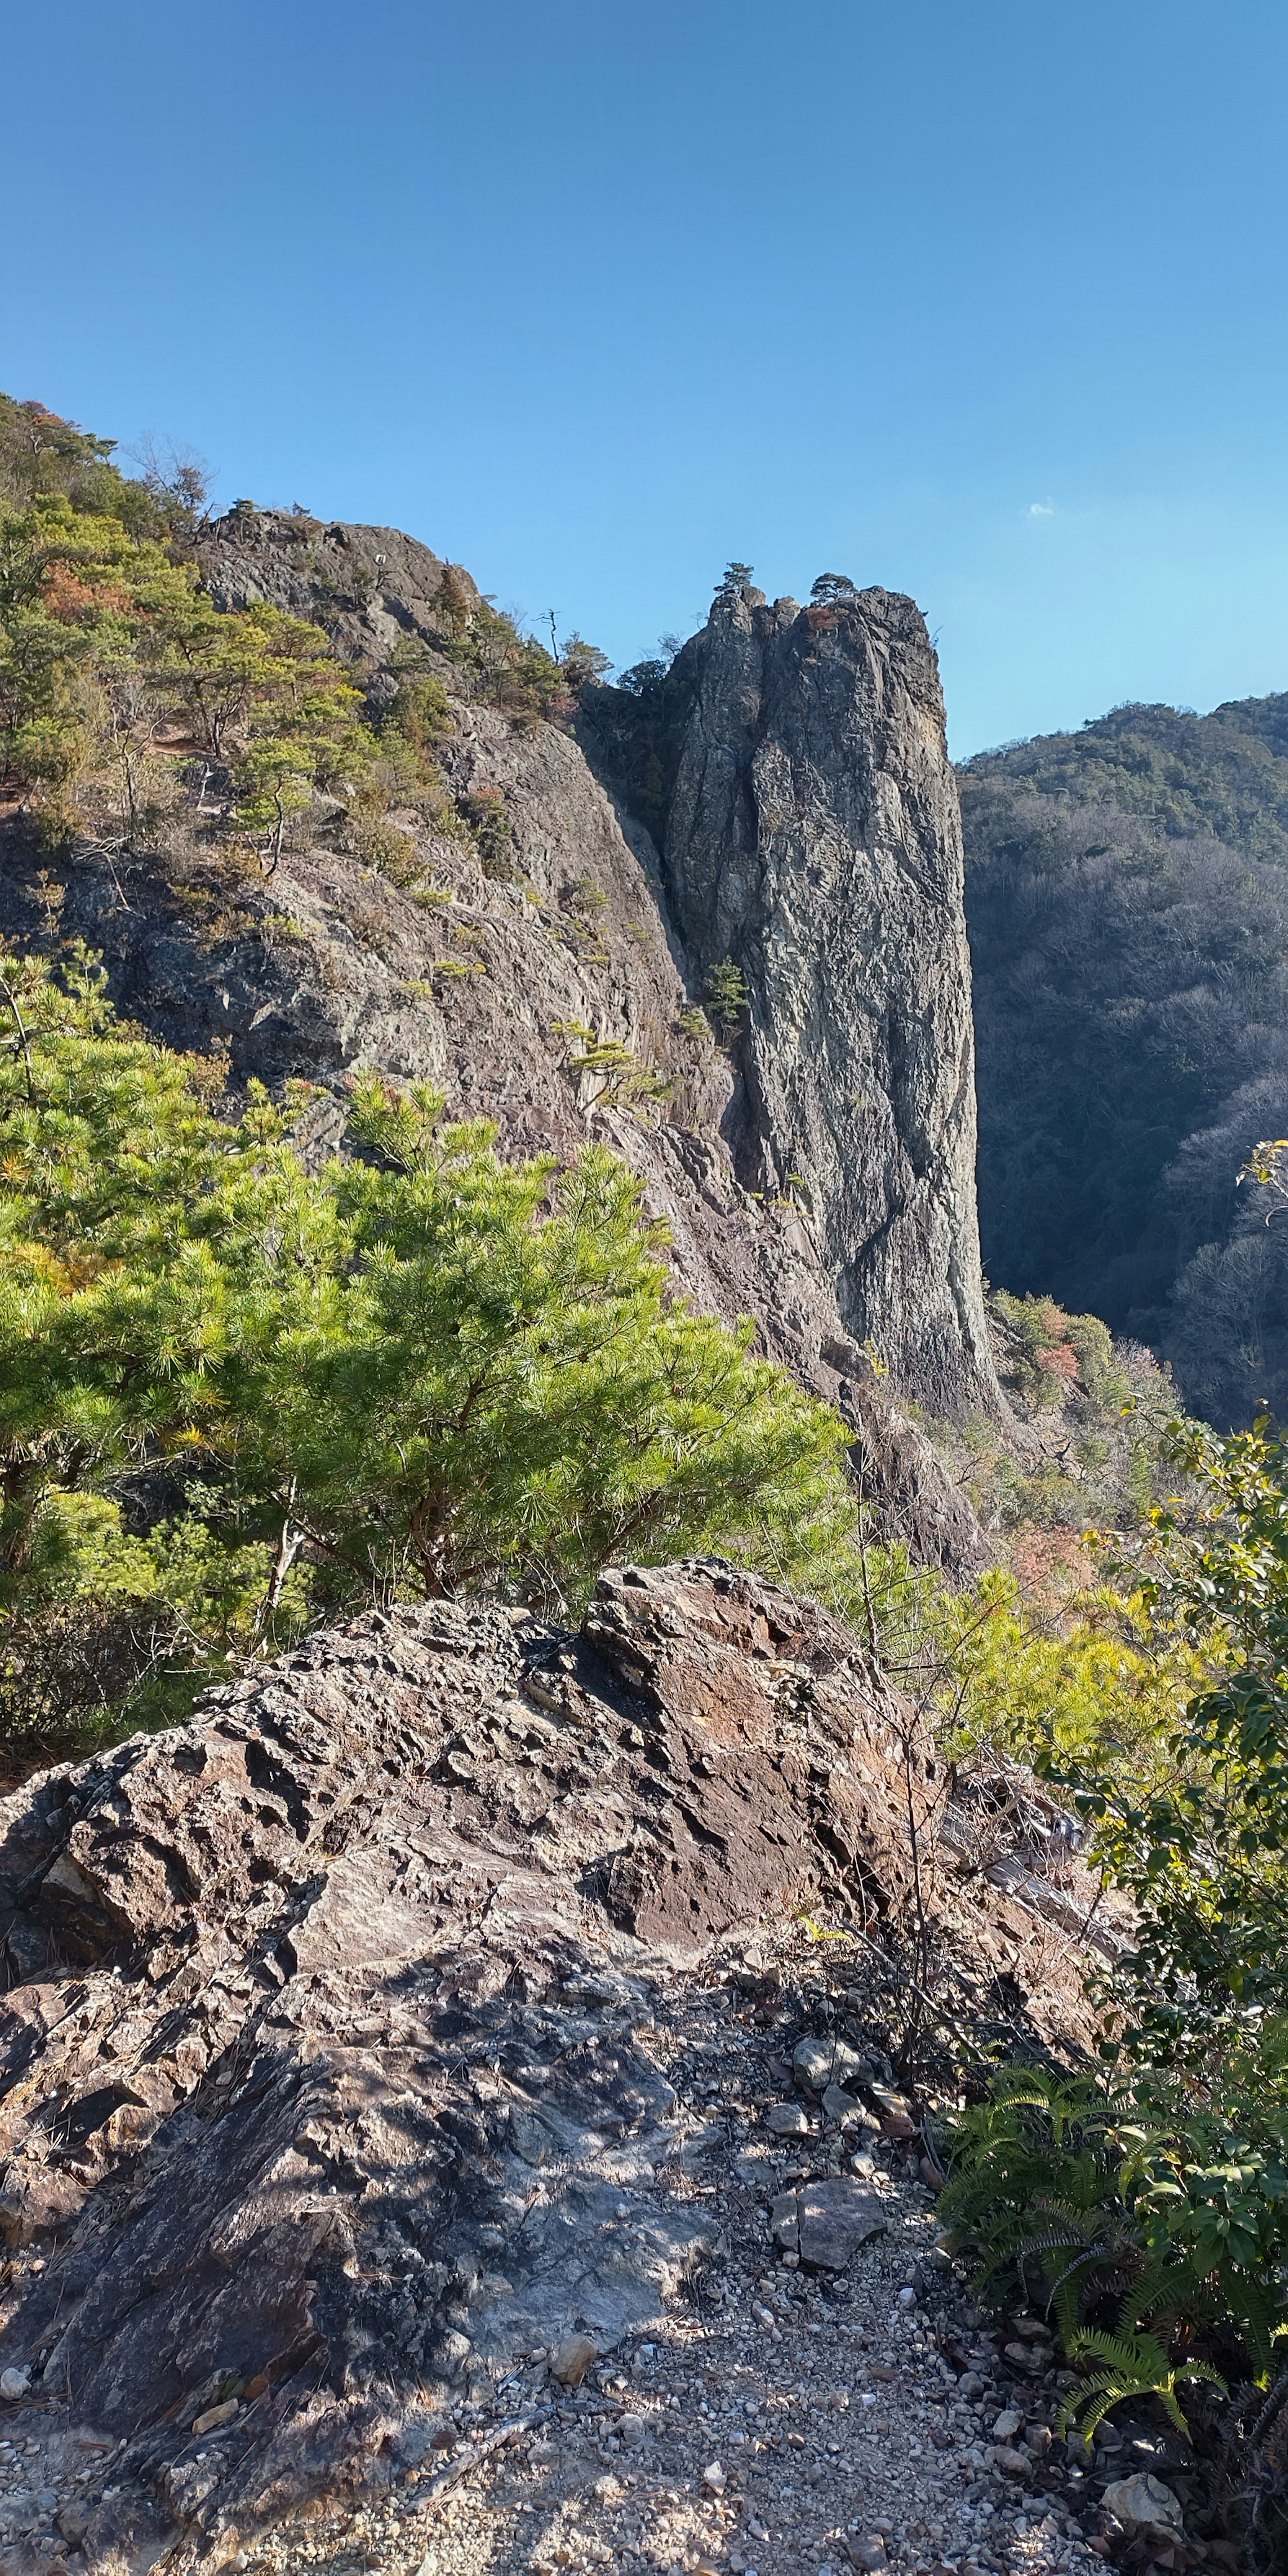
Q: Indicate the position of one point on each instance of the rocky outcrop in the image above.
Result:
(334, 2069)
(370, 589)
(810, 831)
(485, 972)
(325, 2092)
(813, 836)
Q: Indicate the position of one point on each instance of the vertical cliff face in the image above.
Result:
(813, 836)
(780, 796)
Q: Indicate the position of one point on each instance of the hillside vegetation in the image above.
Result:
(1127, 900)
(250, 1381)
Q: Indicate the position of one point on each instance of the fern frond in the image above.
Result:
(1132, 2355)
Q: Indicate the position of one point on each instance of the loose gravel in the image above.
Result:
(784, 2422)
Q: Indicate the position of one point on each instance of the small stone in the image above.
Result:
(1144, 2504)
(572, 2359)
(869, 2554)
(713, 2478)
(1008, 2425)
(890, 2105)
(816, 2063)
(825, 2222)
(787, 2120)
(1017, 2464)
(14, 2384)
(631, 2429)
(908, 2297)
(842, 2110)
(215, 2416)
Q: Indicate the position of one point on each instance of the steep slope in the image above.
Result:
(811, 836)
(1127, 896)
(517, 940)
(810, 833)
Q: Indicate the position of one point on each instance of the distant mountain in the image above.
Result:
(1127, 901)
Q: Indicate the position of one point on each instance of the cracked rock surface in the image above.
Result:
(388, 2069)
(813, 835)
(328, 2077)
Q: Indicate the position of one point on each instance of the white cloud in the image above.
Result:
(1040, 510)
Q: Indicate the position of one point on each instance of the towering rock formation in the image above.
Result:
(781, 798)
(813, 837)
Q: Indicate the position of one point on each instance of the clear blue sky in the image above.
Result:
(980, 300)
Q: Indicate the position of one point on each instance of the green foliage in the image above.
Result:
(1055, 1350)
(1137, 2224)
(418, 715)
(1127, 897)
(1058, 1672)
(609, 1071)
(1175, 2182)
(115, 668)
(234, 1393)
(726, 993)
(512, 671)
(483, 812)
(583, 664)
(1130, 2366)
(45, 458)
(1205, 1852)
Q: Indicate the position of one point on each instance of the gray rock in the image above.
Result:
(842, 2111)
(813, 834)
(787, 2120)
(14, 2383)
(294, 1943)
(1144, 2504)
(826, 2222)
(818, 2063)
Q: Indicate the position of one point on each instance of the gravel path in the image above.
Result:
(789, 2420)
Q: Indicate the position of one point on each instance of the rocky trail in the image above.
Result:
(450, 2123)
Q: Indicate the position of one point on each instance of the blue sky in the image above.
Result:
(979, 300)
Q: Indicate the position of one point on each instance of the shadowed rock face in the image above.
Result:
(813, 835)
(326, 2078)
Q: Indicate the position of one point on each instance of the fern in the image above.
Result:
(1096, 2215)
(1132, 2366)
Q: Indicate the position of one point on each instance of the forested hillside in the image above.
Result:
(1127, 897)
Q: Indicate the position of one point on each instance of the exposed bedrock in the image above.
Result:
(813, 835)
(327, 2078)
(817, 1170)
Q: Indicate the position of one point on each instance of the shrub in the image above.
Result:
(726, 993)
(235, 1393)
